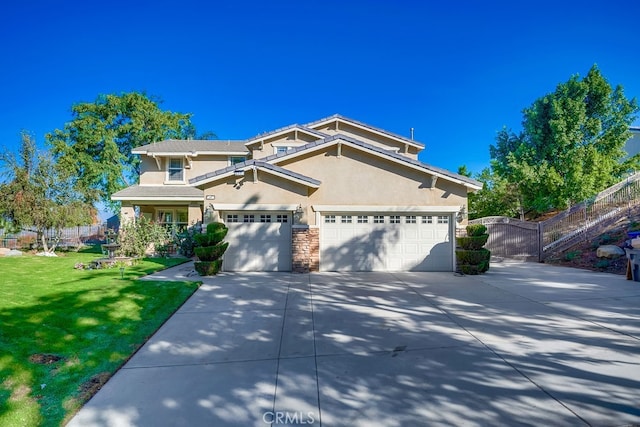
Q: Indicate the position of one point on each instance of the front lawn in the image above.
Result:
(64, 332)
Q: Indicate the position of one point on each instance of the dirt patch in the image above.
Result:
(583, 255)
(91, 387)
(44, 358)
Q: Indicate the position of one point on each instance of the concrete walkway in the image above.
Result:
(525, 344)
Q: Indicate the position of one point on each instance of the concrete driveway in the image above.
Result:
(525, 344)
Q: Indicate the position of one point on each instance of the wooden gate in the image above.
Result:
(511, 238)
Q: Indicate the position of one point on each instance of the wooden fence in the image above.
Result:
(534, 241)
(72, 236)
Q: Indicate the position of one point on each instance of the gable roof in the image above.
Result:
(283, 131)
(380, 152)
(191, 147)
(260, 165)
(365, 126)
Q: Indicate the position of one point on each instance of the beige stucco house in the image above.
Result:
(331, 195)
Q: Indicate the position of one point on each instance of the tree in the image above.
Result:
(96, 144)
(37, 195)
(571, 145)
(497, 196)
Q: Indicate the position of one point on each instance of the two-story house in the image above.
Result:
(335, 194)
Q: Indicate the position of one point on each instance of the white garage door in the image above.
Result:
(258, 241)
(384, 242)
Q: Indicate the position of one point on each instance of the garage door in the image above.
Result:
(383, 242)
(258, 241)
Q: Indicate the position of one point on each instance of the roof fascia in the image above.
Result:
(260, 168)
(340, 139)
(267, 136)
(367, 128)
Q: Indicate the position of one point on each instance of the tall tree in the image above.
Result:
(571, 145)
(37, 195)
(96, 144)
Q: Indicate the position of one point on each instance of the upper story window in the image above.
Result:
(175, 170)
(237, 159)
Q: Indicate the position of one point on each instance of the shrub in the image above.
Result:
(208, 268)
(137, 236)
(210, 253)
(473, 257)
(602, 264)
(570, 256)
(476, 229)
(186, 242)
(472, 242)
(210, 248)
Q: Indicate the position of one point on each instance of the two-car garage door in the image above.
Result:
(261, 241)
(385, 242)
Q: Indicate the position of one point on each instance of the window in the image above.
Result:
(248, 218)
(233, 160)
(330, 219)
(363, 219)
(427, 219)
(174, 220)
(232, 218)
(282, 218)
(442, 219)
(410, 219)
(265, 218)
(394, 219)
(175, 172)
(346, 219)
(378, 219)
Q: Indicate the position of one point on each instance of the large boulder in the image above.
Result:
(609, 251)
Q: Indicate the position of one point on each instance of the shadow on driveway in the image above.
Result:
(525, 344)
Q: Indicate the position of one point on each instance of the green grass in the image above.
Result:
(92, 319)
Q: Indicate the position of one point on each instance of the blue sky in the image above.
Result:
(457, 72)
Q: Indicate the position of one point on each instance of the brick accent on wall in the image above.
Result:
(305, 249)
(314, 249)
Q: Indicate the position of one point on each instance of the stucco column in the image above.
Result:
(127, 213)
(194, 214)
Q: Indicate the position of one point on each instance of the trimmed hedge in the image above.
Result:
(211, 253)
(210, 249)
(473, 257)
(208, 268)
(211, 238)
(472, 243)
(476, 229)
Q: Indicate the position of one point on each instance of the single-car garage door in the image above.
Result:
(258, 241)
(385, 242)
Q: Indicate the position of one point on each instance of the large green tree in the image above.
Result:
(37, 195)
(96, 144)
(571, 145)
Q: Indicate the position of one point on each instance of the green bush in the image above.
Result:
(476, 229)
(208, 268)
(570, 256)
(137, 236)
(211, 253)
(210, 248)
(212, 237)
(474, 257)
(472, 242)
(186, 242)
